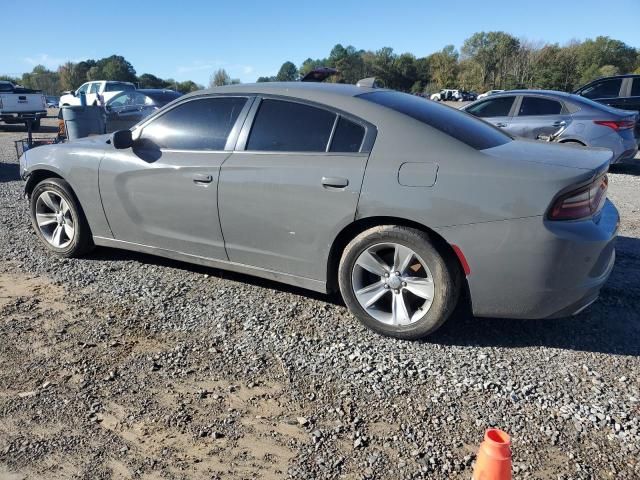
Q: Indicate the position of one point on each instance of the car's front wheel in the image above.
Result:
(58, 219)
(397, 283)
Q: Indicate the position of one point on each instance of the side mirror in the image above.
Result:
(122, 139)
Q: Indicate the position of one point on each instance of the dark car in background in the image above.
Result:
(620, 91)
(129, 107)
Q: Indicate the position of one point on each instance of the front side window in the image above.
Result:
(94, 88)
(83, 88)
(454, 123)
(202, 124)
(539, 106)
(283, 126)
(604, 89)
(348, 137)
(496, 107)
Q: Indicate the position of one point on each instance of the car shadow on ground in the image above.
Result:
(611, 325)
(20, 128)
(9, 172)
(626, 168)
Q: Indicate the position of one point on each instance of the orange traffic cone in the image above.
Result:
(494, 457)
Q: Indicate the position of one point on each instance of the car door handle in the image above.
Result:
(202, 178)
(501, 124)
(334, 182)
(560, 123)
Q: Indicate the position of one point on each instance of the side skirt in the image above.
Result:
(308, 283)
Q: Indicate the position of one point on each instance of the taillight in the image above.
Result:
(581, 203)
(616, 124)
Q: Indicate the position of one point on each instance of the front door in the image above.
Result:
(163, 191)
(292, 187)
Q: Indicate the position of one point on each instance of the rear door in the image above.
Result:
(539, 116)
(496, 110)
(163, 192)
(633, 102)
(291, 185)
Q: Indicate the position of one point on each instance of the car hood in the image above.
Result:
(92, 140)
(555, 154)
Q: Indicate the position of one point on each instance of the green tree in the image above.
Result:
(147, 80)
(288, 72)
(219, 78)
(443, 67)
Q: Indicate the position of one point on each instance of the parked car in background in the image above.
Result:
(489, 93)
(447, 95)
(52, 101)
(566, 117)
(621, 91)
(127, 108)
(301, 183)
(468, 96)
(106, 88)
(19, 105)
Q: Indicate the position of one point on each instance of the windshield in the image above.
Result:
(457, 124)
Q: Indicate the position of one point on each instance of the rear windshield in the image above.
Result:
(162, 98)
(118, 87)
(462, 126)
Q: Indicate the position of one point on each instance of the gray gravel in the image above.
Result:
(124, 365)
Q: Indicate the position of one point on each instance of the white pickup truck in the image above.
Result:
(106, 88)
(19, 104)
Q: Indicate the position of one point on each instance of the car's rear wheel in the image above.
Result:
(58, 219)
(397, 283)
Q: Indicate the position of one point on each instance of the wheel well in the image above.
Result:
(352, 230)
(36, 177)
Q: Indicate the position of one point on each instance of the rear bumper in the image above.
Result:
(532, 268)
(20, 117)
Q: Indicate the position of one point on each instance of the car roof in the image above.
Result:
(155, 90)
(310, 90)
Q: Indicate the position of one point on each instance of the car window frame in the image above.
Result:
(518, 105)
(370, 130)
(602, 80)
(138, 129)
(511, 113)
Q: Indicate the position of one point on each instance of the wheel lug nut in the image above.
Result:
(386, 286)
(386, 275)
(397, 274)
(404, 284)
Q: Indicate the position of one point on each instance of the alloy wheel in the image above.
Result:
(54, 219)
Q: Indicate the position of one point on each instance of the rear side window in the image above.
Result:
(347, 137)
(496, 107)
(635, 87)
(455, 123)
(604, 89)
(202, 124)
(539, 106)
(282, 126)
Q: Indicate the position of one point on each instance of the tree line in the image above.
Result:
(70, 76)
(486, 60)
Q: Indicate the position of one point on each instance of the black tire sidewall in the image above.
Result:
(446, 280)
(80, 242)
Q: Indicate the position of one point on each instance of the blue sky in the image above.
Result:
(189, 39)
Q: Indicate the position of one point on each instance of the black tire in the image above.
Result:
(81, 242)
(446, 277)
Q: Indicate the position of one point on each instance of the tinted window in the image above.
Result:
(347, 137)
(539, 106)
(496, 107)
(118, 86)
(604, 89)
(459, 125)
(293, 127)
(83, 88)
(162, 98)
(197, 125)
(635, 87)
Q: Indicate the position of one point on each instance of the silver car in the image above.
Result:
(404, 206)
(567, 118)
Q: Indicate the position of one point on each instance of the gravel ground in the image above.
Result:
(123, 365)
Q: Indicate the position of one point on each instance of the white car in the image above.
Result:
(488, 93)
(446, 94)
(106, 88)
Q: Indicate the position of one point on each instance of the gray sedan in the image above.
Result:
(564, 117)
(404, 206)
